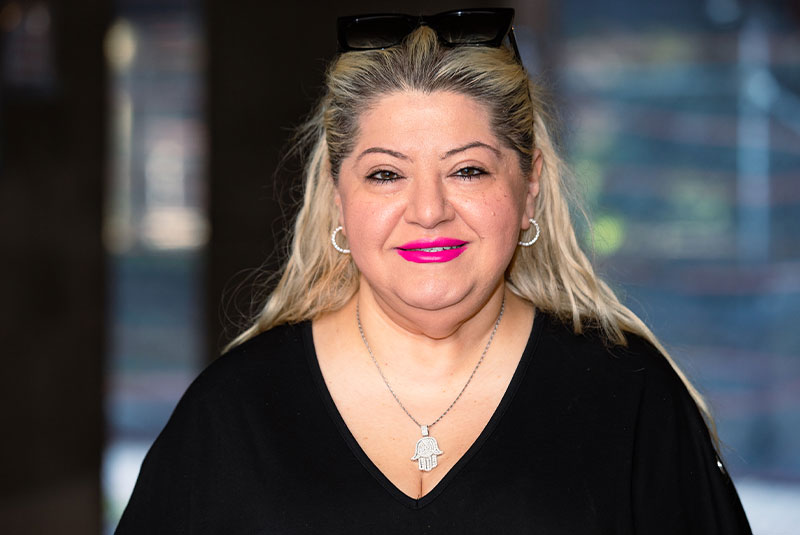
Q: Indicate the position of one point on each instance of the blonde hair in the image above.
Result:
(555, 275)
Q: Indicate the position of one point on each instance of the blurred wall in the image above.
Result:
(52, 140)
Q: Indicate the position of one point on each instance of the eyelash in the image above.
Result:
(480, 172)
(477, 173)
(373, 178)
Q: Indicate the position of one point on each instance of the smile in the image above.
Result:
(436, 250)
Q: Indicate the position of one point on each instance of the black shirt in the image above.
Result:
(586, 440)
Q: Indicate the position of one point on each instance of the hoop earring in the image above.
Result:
(538, 230)
(336, 245)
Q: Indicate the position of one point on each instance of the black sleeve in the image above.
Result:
(162, 500)
(680, 485)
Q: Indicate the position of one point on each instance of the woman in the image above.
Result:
(438, 355)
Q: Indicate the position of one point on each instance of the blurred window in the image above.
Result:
(684, 132)
(155, 230)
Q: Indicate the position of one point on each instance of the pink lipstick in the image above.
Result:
(433, 250)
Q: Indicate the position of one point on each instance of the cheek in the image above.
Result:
(369, 224)
(494, 214)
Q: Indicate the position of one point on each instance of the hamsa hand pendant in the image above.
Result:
(426, 451)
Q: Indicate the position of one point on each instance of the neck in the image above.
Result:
(436, 342)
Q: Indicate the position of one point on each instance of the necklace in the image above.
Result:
(427, 448)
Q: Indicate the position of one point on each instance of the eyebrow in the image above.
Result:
(381, 150)
(470, 146)
(401, 156)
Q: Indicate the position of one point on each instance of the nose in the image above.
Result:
(428, 203)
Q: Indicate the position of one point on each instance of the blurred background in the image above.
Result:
(141, 197)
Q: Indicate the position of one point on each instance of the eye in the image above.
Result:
(470, 173)
(383, 176)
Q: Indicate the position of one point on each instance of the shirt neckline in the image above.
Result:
(366, 462)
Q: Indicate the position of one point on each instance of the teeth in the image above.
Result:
(435, 249)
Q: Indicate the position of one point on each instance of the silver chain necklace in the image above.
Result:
(427, 448)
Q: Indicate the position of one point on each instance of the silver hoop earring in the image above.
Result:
(336, 245)
(538, 230)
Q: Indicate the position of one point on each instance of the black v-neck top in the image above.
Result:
(586, 440)
(348, 437)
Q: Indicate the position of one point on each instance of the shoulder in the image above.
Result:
(633, 384)
(285, 340)
(205, 451)
(260, 363)
(261, 378)
(590, 353)
(633, 387)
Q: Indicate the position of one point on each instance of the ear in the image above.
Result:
(532, 190)
(337, 199)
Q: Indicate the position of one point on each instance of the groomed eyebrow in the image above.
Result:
(381, 150)
(470, 146)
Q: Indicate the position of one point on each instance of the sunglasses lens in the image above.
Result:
(473, 27)
(376, 32)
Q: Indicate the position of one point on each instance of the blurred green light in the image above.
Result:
(609, 234)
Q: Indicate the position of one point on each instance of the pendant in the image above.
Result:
(426, 451)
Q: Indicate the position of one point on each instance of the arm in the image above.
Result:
(679, 484)
(161, 499)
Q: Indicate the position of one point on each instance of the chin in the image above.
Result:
(434, 295)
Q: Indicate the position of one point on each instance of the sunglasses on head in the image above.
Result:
(464, 27)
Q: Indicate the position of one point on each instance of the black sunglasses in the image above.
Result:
(464, 27)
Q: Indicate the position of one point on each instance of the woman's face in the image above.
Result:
(431, 202)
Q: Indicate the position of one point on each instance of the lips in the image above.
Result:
(436, 243)
(434, 250)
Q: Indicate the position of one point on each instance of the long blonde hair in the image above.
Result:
(555, 275)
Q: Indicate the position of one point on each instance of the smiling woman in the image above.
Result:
(454, 301)
(432, 185)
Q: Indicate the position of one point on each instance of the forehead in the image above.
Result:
(414, 120)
